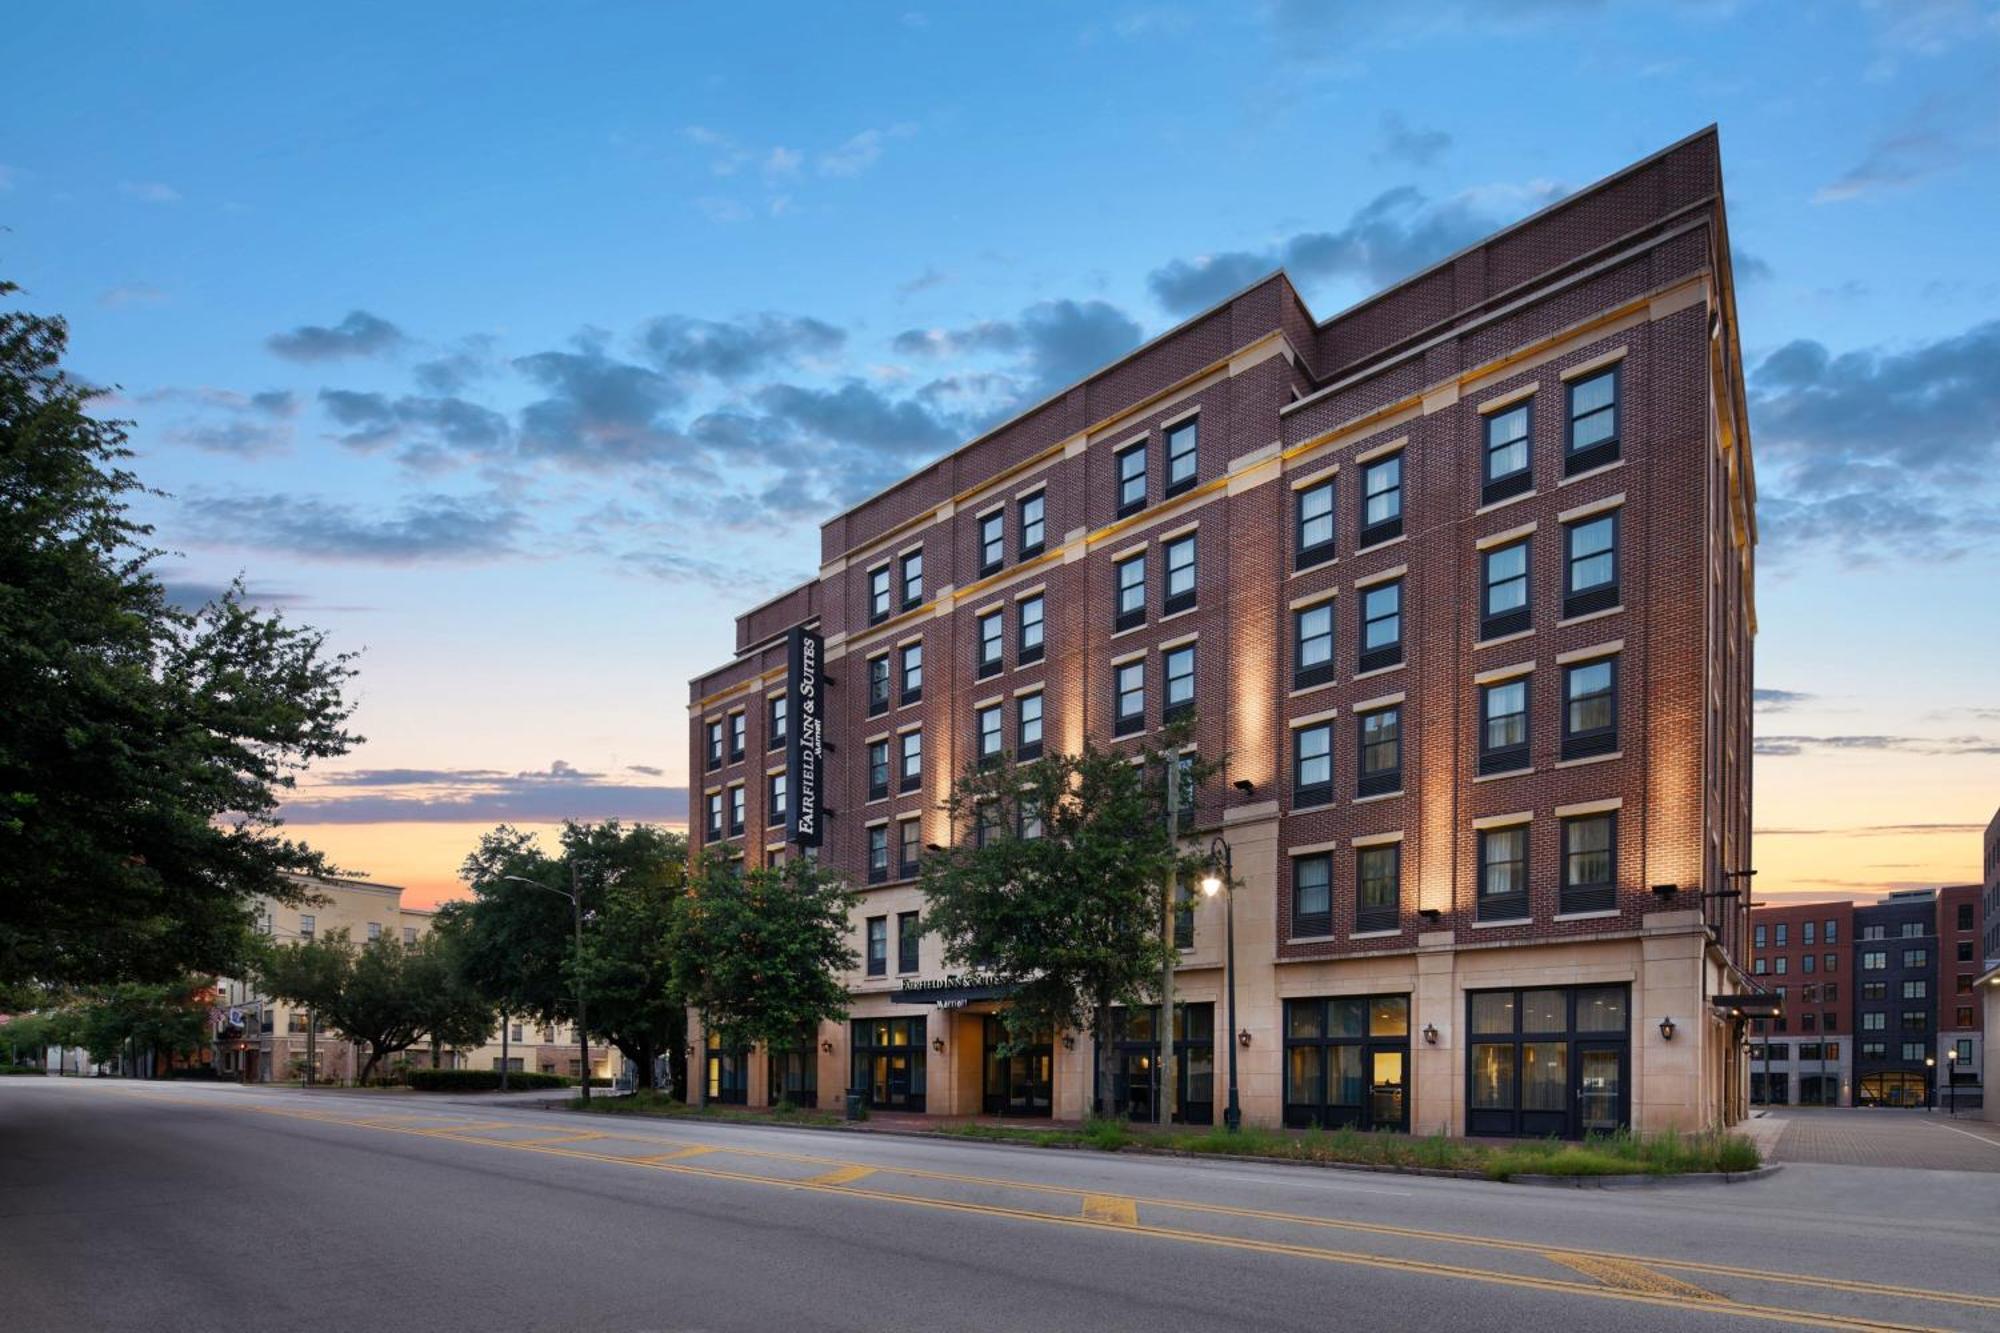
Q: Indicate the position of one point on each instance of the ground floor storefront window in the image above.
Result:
(1891, 1087)
(889, 1063)
(1135, 1051)
(728, 1073)
(1546, 1063)
(1017, 1078)
(794, 1076)
(1347, 1062)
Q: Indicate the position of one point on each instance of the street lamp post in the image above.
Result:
(1212, 884)
(1930, 1083)
(1951, 1082)
(575, 895)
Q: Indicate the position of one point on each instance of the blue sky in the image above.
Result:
(521, 347)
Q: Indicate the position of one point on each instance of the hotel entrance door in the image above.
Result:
(1022, 1081)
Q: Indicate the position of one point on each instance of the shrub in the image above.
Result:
(8, 1071)
(481, 1080)
(200, 1073)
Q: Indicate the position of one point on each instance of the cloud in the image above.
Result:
(598, 410)
(456, 371)
(228, 422)
(131, 293)
(1393, 235)
(733, 349)
(1867, 830)
(151, 192)
(428, 527)
(859, 152)
(193, 594)
(1778, 701)
(416, 795)
(1048, 345)
(1894, 161)
(360, 334)
(432, 426)
(1404, 143)
(1747, 267)
(646, 770)
(932, 276)
(1772, 747)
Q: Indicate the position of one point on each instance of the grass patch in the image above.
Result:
(1666, 1154)
(659, 1104)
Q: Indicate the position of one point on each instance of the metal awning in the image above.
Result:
(1749, 1006)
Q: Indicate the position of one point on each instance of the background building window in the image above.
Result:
(1381, 762)
(1180, 575)
(1312, 645)
(1378, 879)
(1593, 422)
(1312, 895)
(1503, 873)
(1590, 581)
(1129, 688)
(1503, 729)
(1131, 606)
(1314, 543)
(1381, 626)
(1590, 862)
(1179, 673)
(1381, 500)
(1508, 460)
(1132, 480)
(1590, 709)
(1182, 449)
(1312, 765)
(1505, 607)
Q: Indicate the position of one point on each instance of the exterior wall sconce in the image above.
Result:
(1430, 1034)
(1245, 785)
(1069, 1041)
(1665, 890)
(826, 1046)
(937, 1044)
(1243, 1038)
(1667, 1028)
(1431, 914)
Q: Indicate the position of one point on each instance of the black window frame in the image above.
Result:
(907, 780)
(1601, 596)
(777, 721)
(1024, 651)
(878, 791)
(876, 841)
(1311, 925)
(907, 693)
(1379, 917)
(985, 665)
(993, 544)
(714, 821)
(1386, 655)
(1122, 616)
(1190, 430)
(1305, 794)
(1318, 673)
(880, 603)
(1576, 1039)
(909, 849)
(1513, 756)
(713, 741)
(1315, 1106)
(1601, 452)
(775, 808)
(1513, 904)
(1170, 710)
(1384, 529)
(997, 714)
(1589, 741)
(1306, 554)
(1125, 477)
(1171, 601)
(1381, 781)
(909, 936)
(877, 671)
(878, 935)
(1595, 895)
(739, 736)
(738, 803)
(1495, 624)
(1024, 748)
(1123, 723)
(913, 597)
(1031, 546)
(1495, 487)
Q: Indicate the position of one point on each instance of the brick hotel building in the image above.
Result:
(1459, 583)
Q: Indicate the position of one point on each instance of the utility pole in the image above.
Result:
(582, 1024)
(505, 1063)
(312, 1044)
(1163, 1099)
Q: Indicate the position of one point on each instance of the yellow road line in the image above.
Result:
(1110, 1208)
(697, 1150)
(1629, 1277)
(841, 1175)
(554, 1138)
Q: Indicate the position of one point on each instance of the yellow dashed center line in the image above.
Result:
(841, 1175)
(1114, 1208)
(1630, 1276)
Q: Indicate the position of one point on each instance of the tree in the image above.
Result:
(143, 748)
(167, 1020)
(761, 953)
(1057, 893)
(371, 995)
(520, 942)
(451, 1010)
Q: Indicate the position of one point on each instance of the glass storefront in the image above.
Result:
(889, 1062)
(1022, 1080)
(1347, 1062)
(728, 1073)
(1135, 1054)
(1551, 1062)
(794, 1076)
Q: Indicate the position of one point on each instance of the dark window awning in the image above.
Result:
(1749, 1006)
(953, 990)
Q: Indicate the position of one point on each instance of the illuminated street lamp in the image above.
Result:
(1216, 881)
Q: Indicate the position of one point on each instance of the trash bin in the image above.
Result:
(855, 1109)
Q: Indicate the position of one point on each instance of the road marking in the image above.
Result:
(841, 1175)
(1991, 1143)
(557, 1138)
(1110, 1208)
(678, 1154)
(1629, 1277)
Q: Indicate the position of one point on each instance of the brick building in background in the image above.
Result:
(1961, 1027)
(1459, 583)
(1804, 954)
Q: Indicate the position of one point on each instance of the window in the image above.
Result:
(1758, 937)
(777, 721)
(1916, 988)
(1874, 1050)
(1806, 963)
(775, 799)
(1184, 913)
(1132, 480)
(1033, 527)
(1591, 563)
(1916, 958)
(1915, 1020)
(1347, 1062)
(1129, 685)
(1965, 916)
(1547, 1061)
(1312, 895)
(1380, 769)
(1593, 422)
(878, 946)
(736, 736)
(1590, 863)
(1832, 933)
(1807, 932)
(1131, 574)
(1312, 765)
(1504, 607)
(1873, 932)
(1184, 771)
(1508, 461)
(1028, 818)
(1965, 951)
(1913, 1051)
(992, 541)
(1378, 880)
(736, 810)
(992, 643)
(912, 771)
(878, 684)
(907, 936)
(1503, 873)
(1312, 645)
(715, 744)
(912, 664)
(878, 594)
(1874, 990)
(913, 579)
(409, 935)
(909, 844)
(1180, 575)
(878, 855)
(1179, 664)
(1183, 444)
(1782, 929)
(1381, 626)
(1762, 966)
(1874, 960)
(1914, 930)
(715, 814)
(1590, 710)
(1028, 614)
(1315, 536)
(986, 823)
(374, 930)
(1028, 727)
(1381, 500)
(990, 747)
(878, 770)
(1830, 992)
(1503, 731)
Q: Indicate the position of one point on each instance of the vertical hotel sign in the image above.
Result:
(805, 701)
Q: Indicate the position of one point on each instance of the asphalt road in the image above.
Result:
(168, 1207)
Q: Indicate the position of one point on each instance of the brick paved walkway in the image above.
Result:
(1869, 1136)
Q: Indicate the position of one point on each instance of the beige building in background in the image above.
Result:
(269, 1044)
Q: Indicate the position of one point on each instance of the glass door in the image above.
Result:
(1600, 1087)
(1387, 1089)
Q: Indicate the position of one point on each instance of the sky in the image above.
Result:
(520, 347)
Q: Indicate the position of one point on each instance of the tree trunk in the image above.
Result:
(1105, 1100)
(375, 1054)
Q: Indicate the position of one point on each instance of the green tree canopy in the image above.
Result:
(143, 748)
(381, 994)
(1057, 889)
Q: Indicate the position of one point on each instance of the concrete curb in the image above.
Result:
(1635, 1181)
